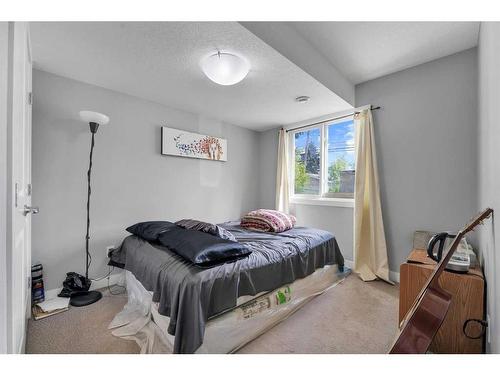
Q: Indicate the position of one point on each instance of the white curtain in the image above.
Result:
(282, 189)
(370, 249)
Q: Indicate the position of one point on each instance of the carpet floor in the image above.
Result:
(353, 317)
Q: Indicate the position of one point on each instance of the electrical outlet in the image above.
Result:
(109, 249)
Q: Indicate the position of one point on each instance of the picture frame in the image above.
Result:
(176, 142)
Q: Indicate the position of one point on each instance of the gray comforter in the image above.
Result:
(190, 295)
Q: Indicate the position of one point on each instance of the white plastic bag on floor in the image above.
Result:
(134, 321)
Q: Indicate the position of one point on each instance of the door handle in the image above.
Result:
(30, 210)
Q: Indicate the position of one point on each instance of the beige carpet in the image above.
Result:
(353, 317)
(80, 330)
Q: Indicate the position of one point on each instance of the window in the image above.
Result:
(307, 161)
(324, 160)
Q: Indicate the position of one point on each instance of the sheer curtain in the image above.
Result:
(282, 189)
(370, 249)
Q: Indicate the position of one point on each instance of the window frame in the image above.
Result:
(324, 197)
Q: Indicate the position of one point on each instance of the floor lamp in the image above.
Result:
(84, 298)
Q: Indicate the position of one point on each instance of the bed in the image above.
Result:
(238, 300)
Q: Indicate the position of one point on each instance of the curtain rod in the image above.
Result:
(329, 119)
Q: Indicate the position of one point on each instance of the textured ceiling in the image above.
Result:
(159, 61)
(368, 50)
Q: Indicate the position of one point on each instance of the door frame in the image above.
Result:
(14, 38)
(4, 198)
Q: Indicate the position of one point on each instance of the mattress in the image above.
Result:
(191, 296)
(228, 331)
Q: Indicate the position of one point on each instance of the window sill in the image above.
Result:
(335, 202)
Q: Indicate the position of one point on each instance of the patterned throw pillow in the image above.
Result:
(209, 228)
(268, 221)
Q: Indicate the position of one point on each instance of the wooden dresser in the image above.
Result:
(467, 301)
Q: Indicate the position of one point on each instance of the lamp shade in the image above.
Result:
(96, 117)
(225, 68)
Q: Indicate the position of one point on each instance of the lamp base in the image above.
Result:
(80, 299)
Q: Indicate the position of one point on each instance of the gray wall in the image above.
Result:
(426, 138)
(489, 166)
(131, 180)
(427, 150)
(268, 146)
(338, 220)
(426, 134)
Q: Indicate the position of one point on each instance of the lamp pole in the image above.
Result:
(93, 129)
(81, 296)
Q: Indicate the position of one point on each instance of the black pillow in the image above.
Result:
(213, 229)
(201, 248)
(150, 230)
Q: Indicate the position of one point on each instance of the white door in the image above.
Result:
(20, 257)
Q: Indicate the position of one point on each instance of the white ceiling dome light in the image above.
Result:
(225, 68)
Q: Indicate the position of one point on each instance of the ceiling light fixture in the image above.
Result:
(225, 68)
(302, 99)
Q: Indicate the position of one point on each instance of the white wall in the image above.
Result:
(131, 180)
(489, 166)
(425, 134)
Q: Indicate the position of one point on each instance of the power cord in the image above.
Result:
(111, 290)
(110, 270)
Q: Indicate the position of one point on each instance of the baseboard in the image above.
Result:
(349, 263)
(394, 276)
(116, 278)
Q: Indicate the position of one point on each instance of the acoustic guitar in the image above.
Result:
(429, 310)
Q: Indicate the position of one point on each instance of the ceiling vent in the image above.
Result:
(302, 99)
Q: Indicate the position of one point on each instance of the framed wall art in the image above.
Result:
(192, 145)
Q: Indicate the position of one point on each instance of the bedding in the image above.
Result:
(213, 229)
(150, 230)
(201, 248)
(190, 295)
(268, 221)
